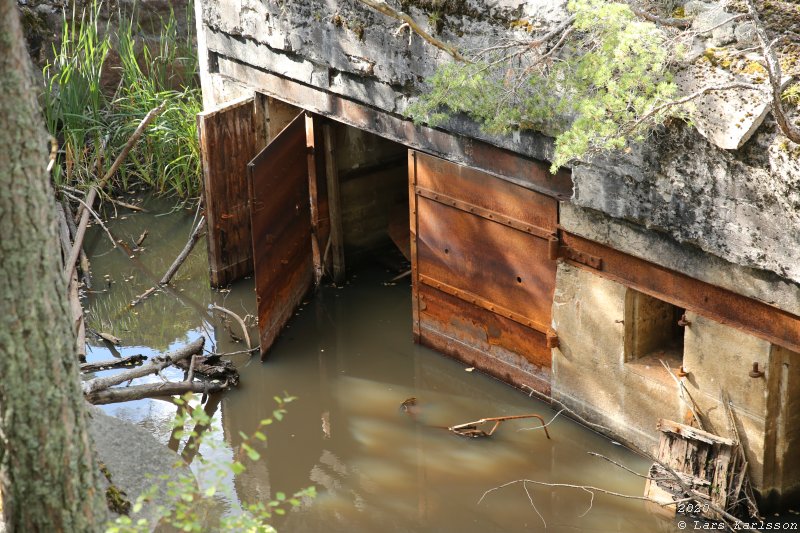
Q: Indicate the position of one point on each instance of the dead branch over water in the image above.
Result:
(69, 266)
(102, 390)
(173, 269)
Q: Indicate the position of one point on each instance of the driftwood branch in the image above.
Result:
(93, 192)
(125, 362)
(153, 390)
(173, 269)
(76, 309)
(73, 229)
(91, 387)
(238, 319)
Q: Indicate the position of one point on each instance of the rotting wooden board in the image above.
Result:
(281, 229)
(229, 138)
(703, 458)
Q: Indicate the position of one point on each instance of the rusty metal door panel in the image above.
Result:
(229, 138)
(483, 279)
(491, 265)
(482, 339)
(281, 228)
(483, 194)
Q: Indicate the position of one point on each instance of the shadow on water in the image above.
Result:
(349, 358)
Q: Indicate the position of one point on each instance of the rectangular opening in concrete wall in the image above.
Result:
(372, 178)
(653, 331)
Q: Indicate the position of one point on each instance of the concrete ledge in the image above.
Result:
(661, 249)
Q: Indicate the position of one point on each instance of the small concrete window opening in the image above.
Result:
(653, 330)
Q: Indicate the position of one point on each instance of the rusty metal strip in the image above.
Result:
(483, 303)
(583, 258)
(752, 316)
(507, 165)
(482, 212)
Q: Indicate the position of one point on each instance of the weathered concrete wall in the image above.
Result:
(345, 48)
(591, 376)
(742, 206)
(782, 462)
(660, 248)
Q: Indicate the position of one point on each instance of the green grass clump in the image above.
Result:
(93, 124)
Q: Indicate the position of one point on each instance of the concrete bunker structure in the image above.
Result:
(574, 286)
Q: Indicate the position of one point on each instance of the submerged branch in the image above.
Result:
(173, 269)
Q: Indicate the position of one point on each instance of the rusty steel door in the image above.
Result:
(229, 138)
(483, 281)
(280, 216)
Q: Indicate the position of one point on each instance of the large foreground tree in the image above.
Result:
(48, 474)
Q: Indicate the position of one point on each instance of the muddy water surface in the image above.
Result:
(349, 358)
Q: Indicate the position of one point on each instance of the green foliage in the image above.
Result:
(610, 73)
(791, 95)
(73, 100)
(187, 502)
(93, 126)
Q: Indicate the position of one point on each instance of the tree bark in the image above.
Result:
(48, 473)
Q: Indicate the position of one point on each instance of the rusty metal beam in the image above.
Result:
(482, 212)
(757, 318)
(527, 172)
(483, 303)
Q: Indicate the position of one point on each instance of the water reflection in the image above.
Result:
(349, 357)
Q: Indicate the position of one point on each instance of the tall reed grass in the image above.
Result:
(93, 122)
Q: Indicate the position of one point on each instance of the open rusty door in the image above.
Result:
(229, 138)
(483, 279)
(281, 222)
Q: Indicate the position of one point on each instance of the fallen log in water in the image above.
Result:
(156, 365)
(211, 367)
(153, 390)
(126, 362)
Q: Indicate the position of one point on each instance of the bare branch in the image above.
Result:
(674, 22)
(382, 7)
(775, 77)
(238, 319)
(698, 93)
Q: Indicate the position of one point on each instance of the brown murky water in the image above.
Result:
(349, 358)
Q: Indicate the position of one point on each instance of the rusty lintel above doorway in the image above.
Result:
(505, 164)
(755, 317)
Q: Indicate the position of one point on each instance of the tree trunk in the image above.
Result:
(47, 469)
